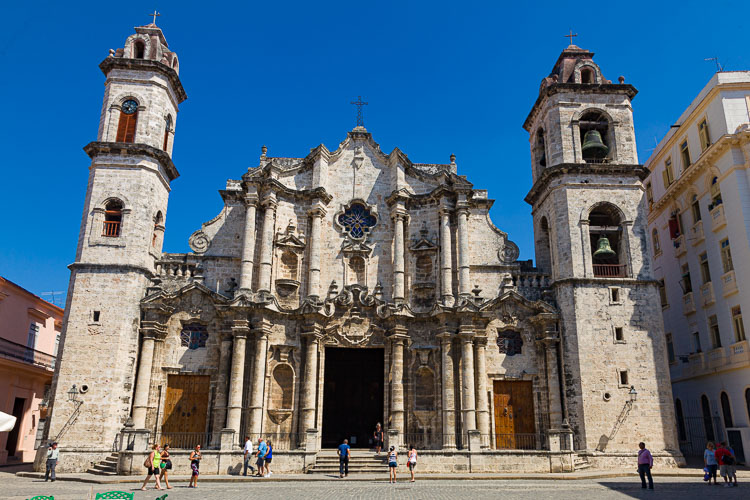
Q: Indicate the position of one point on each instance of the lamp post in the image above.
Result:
(73, 394)
(633, 394)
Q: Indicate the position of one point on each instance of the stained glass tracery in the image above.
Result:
(357, 220)
(509, 342)
(193, 336)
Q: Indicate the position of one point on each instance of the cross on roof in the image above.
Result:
(570, 36)
(359, 103)
(155, 14)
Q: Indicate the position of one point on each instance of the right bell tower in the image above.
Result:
(590, 226)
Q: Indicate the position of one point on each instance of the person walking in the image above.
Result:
(412, 462)
(52, 454)
(709, 460)
(153, 466)
(377, 437)
(344, 452)
(267, 459)
(392, 464)
(726, 462)
(247, 455)
(166, 466)
(645, 462)
(260, 457)
(195, 465)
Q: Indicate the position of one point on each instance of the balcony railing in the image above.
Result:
(728, 283)
(20, 352)
(609, 270)
(718, 219)
(111, 228)
(707, 294)
(679, 246)
(688, 304)
(697, 235)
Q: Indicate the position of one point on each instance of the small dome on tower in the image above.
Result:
(148, 42)
(575, 65)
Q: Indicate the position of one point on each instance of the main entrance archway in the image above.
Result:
(352, 395)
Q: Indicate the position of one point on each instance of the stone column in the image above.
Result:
(449, 407)
(468, 398)
(222, 389)
(240, 331)
(310, 380)
(483, 403)
(151, 332)
(266, 242)
(313, 279)
(248, 243)
(462, 213)
(446, 258)
(553, 383)
(397, 339)
(399, 218)
(259, 379)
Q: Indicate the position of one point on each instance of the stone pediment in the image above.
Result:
(511, 305)
(164, 297)
(424, 243)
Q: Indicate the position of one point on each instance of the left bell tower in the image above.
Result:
(120, 239)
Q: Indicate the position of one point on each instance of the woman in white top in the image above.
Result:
(392, 463)
(412, 462)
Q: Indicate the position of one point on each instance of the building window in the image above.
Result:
(715, 193)
(112, 219)
(726, 410)
(663, 293)
(357, 221)
(33, 335)
(655, 239)
(128, 119)
(594, 130)
(139, 49)
(95, 316)
(685, 155)
(193, 336)
(605, 236)
(707, 421)
(697, 342)
(509, 342)
(667, 174)
(619, 334)
(726, 256)
(623, 376)
(705, 270)
(614, 295)
(675, 225)
(739, 326)
(167, 130)
(540, 149)
(680, 417)
(687, 284)
(670, 348)
(703, 135)
(649, 194)
(696, 209)
(713, 329)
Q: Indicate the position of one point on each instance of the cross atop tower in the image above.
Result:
(155, 14)
(570, 36)
(359, 103)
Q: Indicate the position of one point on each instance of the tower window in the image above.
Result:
(139, 49)
(605, 236)
(96, 316)
(614, 295)
(112, 219)
(167, 130)
(594, 128)
(619, 334)
(158, 220)
(587, 75)
(128, 119)
(623, 378)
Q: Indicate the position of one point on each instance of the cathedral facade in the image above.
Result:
(353, 287)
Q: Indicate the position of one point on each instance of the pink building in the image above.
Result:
(29, 335)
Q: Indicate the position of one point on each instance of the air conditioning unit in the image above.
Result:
(739, 441)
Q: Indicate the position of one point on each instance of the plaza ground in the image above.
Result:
(681, 483)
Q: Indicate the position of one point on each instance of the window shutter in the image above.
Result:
(674, 228)
(665, 177)
(126, 127)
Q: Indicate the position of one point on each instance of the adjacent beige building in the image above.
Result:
(699, 232)
(354, 286)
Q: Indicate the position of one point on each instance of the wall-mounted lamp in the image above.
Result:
(73, 394)
(633, 394)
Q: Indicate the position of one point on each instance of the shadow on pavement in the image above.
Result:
(669, 489)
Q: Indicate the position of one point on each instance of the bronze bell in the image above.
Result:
(593, 146)
(604, 249)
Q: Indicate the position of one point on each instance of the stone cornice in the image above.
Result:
(318, 193)
(599, 281)
(577, 88)
(111, 63)
(133, 149)
(554, 171)
(702, 164)
(110, 267)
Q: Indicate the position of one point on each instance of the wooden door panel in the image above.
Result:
(514, 414)
(185, 406)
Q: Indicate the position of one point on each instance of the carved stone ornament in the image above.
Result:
(509, 253)
(278, 416)
(199, 242)
(95, 329)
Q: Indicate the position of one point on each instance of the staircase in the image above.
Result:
(361, 461)
(107, 467)
(581, 463)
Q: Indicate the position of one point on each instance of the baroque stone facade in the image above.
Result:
(358, 283)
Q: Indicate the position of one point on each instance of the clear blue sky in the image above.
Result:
(440, 77)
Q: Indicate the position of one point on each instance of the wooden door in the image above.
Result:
(514, 415)
(185, 408)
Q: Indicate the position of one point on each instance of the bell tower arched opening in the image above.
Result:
(595, 140)
(608, 253)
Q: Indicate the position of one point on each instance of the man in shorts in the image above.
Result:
(261, 457)
(727, 467)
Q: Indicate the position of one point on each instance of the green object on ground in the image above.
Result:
(163, 497)
(114, 495)
(42, 497)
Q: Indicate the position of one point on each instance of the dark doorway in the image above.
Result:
(352, 395)
(12, 444)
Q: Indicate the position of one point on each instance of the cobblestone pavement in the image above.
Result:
(16, 488)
